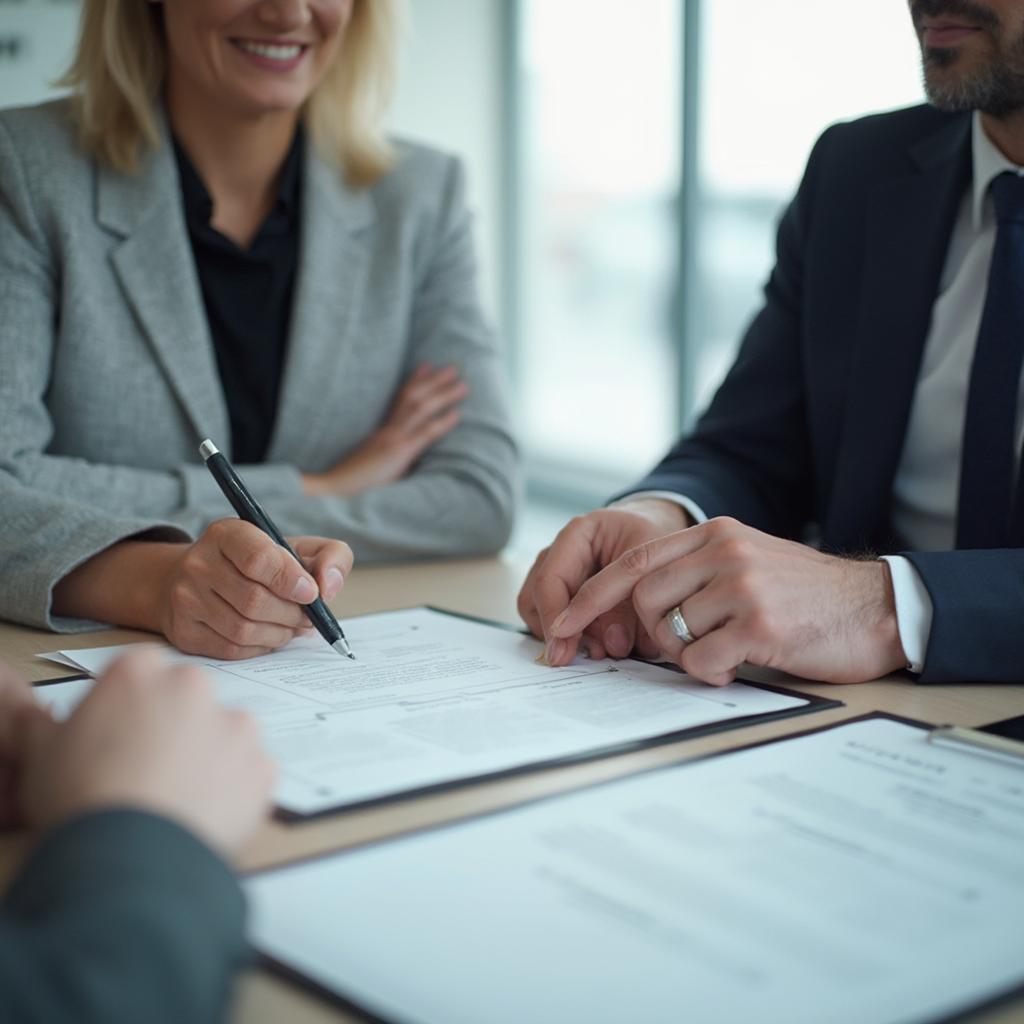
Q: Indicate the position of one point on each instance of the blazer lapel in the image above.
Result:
(333, 263)
(156, 270)
(909, 223)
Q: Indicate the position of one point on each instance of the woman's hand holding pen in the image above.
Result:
(235, 594)
(425, 410)
(231, 594)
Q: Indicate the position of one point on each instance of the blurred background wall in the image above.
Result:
(627, 163)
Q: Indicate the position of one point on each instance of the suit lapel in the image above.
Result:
(156, 270)
(909, 223)
(333, 263)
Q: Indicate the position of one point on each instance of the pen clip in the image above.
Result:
(1001, 748)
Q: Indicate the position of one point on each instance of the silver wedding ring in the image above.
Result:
(678, 625)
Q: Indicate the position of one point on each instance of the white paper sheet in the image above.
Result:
(434, 698)
(856, 874)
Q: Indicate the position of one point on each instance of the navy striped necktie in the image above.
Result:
(988, 459)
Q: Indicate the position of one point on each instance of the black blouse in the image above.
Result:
(248, 298)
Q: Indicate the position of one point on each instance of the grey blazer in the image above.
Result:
(108, 379)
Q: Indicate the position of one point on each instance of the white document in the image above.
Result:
(854, 875)
(434, 698)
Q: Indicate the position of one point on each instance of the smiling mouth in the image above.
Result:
(282, 52)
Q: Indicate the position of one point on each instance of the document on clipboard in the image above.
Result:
(855, 873)
(437, 700)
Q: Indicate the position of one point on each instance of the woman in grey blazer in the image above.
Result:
(211, 238)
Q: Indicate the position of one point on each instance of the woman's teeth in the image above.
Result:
(270, 51)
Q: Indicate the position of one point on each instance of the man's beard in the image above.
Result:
(995, 88)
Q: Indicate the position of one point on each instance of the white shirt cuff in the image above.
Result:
(695, 512)
(914, 610)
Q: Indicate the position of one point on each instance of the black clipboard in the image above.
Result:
(342, 1002)
(813, 703)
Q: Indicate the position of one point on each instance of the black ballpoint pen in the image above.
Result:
(248, 508)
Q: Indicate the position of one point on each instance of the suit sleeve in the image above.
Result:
(749, 456)
(120, 916)
(460, 498)
(977, 597)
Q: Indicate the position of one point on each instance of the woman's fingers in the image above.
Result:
(256, 557)
(330, 561)
(253, 600)
(246, 633)
(236, 594)
(425, 397)
(201, 638)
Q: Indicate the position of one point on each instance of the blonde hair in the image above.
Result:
(118, 71)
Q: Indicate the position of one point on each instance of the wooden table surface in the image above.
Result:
(488, 587)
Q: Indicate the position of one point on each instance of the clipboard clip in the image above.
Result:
(974, 741)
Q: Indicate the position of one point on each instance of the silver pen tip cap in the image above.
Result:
(342, 647)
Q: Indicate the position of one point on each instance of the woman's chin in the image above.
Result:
(266, 102)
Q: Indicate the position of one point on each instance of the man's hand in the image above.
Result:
(585, 546)
(425, 410)
(749, 597)
(234, 593)
(17, 705)
(152, 737)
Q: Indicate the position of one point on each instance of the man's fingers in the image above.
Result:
(676, 585)
(552, 595)
(31, 726)
(715, 657)
(616, 630)
(525, 604)
(140, 661)
(568, 562)
(615, 583)
(646, 648)
(15, 695)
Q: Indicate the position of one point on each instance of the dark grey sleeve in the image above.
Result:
(120, 916)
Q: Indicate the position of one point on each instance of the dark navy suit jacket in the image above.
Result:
(808, 427)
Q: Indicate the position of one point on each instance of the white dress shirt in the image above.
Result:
(927, 483)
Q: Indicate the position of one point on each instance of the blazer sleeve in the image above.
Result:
(460, 498)
(121, 916)
(977, 597)
(749, 456)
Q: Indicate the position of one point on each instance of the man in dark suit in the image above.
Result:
(872, 409)
(124, 911)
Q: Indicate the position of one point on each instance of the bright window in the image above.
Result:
(596, 281)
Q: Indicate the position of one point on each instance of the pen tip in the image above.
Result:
(342, 647)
